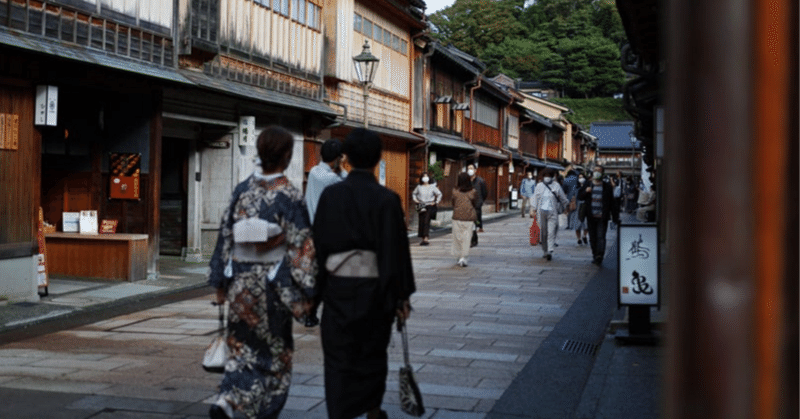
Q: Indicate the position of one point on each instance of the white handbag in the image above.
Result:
(216, 354)
(563, 221)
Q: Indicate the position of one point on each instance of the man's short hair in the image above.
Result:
(331, 149)
(363, 148)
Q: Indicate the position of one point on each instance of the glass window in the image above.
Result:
(276, 5)
(387, 38)
(313, 15)
(285, 7)
(357, 23)
(367, 28)
(301, 12)
(377, 33)
(403, 46)
(395, 43)
(295, 8)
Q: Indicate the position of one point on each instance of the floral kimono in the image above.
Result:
(264, 296)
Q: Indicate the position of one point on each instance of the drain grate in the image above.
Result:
(577, 347)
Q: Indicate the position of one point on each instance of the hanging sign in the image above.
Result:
(638, 265)
(125, 172)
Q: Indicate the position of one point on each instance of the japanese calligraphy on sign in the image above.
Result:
(638, 264)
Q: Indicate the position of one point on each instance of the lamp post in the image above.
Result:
(366, 65)
(633, 152)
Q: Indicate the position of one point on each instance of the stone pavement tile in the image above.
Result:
(121, 291)
(28, 404)
(474, 371)
(491, 356)
(55, 385)
(433, 401)
(302, 403)
(447, 414)
(74, 364)
(127, 403)
(33, 371)
(113, 377)
(307, 391)
(157, 393)
(121, 414)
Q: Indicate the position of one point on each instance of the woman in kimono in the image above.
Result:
(365, 279)
(264, 266)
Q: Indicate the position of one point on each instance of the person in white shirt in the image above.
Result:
(548, 201)
(324, 174)
(428, 196)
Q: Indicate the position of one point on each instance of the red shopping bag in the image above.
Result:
(534, 233)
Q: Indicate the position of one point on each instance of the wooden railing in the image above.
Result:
(64, 24)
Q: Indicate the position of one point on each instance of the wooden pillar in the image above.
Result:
(731, 124)
(154, 187)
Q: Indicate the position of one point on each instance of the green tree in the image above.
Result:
(517, 58)
(471, 25)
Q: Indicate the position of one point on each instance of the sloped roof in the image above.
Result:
(614, 135)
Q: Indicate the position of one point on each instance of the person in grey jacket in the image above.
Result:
(526, 188)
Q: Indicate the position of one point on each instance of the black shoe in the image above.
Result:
(216, 412)
(585, 240)
(549, 256)
(424, 243)
(579, 242)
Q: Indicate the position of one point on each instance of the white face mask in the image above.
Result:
(471, 172)
(530, 175)
(597, 175)
(425, 179)
(581, 180)
(547, 179)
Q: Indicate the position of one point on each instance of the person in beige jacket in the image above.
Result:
(465, 199)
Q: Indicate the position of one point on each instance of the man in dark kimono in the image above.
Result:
(365, 279)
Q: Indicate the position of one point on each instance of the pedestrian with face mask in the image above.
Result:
(549, 201)
(575, 219)
(480, 187)
(427, 196)
(599, 198)
(526, 188)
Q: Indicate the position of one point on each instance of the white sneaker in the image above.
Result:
(462, 262)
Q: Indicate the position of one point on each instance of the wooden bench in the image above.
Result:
(109, 256)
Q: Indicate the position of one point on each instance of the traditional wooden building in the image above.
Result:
(389, 29)
(618, 148)
(145, 112)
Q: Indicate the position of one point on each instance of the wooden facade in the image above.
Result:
(19, 169)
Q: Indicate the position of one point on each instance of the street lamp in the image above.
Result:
(633, 152)
(366, 66)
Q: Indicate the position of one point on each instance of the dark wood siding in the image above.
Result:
(19, 174)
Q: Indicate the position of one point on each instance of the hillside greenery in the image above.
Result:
(571, 45)
(586, 111)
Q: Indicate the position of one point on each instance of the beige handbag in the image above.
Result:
(216, 354)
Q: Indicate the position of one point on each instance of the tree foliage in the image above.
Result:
(571, 45)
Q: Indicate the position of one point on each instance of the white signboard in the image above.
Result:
(638, 264)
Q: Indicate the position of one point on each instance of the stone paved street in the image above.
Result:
(471, 332)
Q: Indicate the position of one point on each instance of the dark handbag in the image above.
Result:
(216, 355)
(410, 396)
(583, 211)
(573, 204)
(474, 241)
(420, 207)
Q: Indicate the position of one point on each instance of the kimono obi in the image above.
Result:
(355, 263)
(258, 241)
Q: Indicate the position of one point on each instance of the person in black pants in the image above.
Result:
(598, 198)
(480, 187)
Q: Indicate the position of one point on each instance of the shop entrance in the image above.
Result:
(174, 195)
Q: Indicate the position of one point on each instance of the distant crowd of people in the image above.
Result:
(586, 202)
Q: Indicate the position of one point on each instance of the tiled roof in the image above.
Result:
(614, 135)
